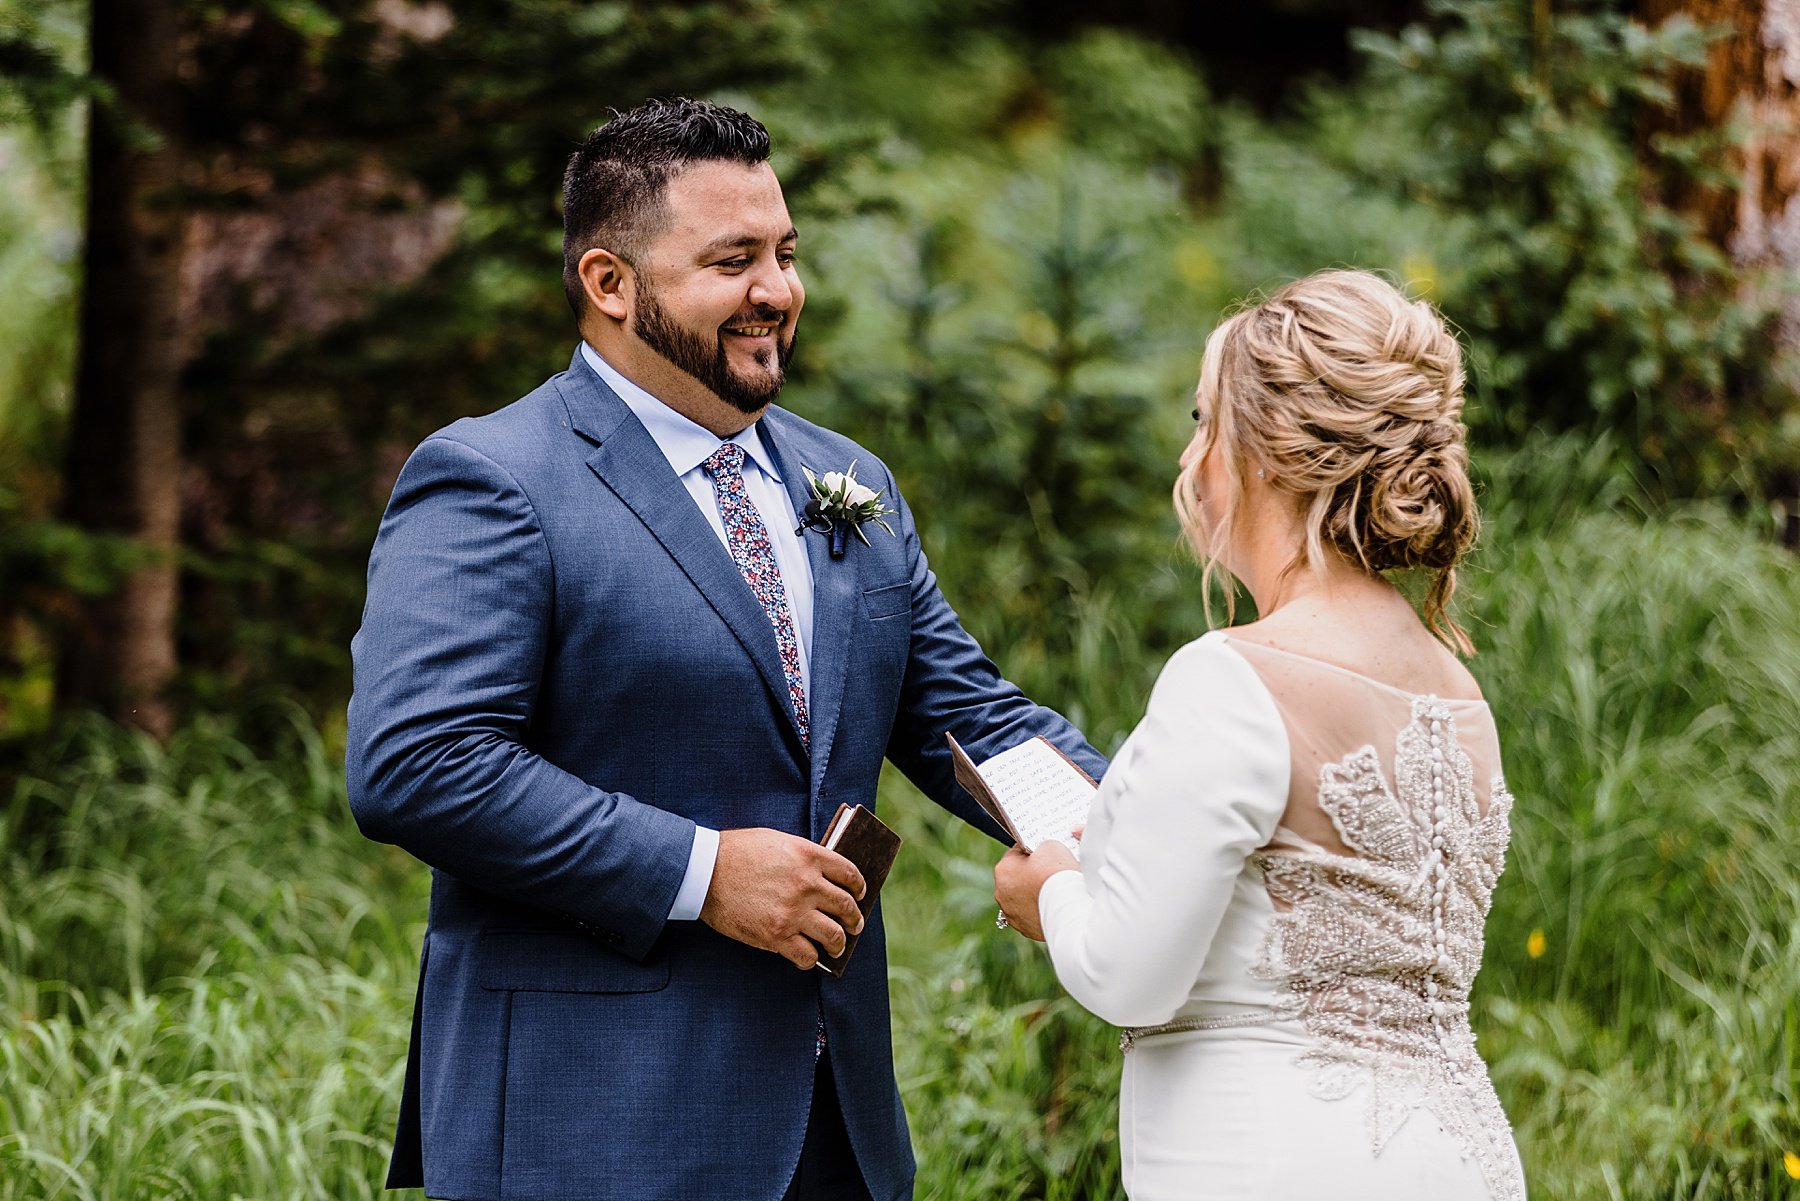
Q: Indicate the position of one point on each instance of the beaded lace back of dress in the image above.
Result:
(1381, 877)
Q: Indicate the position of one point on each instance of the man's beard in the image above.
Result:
(705, 361)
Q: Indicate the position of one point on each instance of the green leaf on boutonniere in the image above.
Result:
(842, 499)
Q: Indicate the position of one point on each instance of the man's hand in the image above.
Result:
(776, 891)
(1020, 876)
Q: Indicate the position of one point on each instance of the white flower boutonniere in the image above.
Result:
(840, 504)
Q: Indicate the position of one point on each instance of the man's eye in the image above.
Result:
(786, 258)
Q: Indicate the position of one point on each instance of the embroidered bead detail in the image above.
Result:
(1377, 950)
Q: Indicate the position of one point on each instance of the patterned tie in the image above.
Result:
(748, 539)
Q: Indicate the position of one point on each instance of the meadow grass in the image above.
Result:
(206, 974)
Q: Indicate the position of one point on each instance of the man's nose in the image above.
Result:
(770, 287)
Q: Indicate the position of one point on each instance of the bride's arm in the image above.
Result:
(1201, 785)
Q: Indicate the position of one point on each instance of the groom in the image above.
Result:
(612, 696)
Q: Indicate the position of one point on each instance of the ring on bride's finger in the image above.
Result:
(1000, 922)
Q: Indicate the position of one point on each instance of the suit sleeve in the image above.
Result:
(1201, 783)
(951, 686)
(447, 667)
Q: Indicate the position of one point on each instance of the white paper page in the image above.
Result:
(1042, 792)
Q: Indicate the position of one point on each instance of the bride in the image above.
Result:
(1284, 878)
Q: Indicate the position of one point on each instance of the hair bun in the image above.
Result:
(1419, 512)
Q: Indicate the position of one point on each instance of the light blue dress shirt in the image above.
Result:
(687, 445)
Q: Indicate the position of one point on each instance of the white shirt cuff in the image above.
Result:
(702, 856)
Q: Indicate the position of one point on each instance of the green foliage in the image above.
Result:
(1498, 161)
(41, 47)
(1130, 100)
(1589, 304)
(1646, 680)
(39, 75)
(40, 237)
(41, 561)
(204, 974)
(45, 562)
(1020, 362)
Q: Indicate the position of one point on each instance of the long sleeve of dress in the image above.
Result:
(1199, 785)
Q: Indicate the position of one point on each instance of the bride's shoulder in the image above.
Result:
(1208, 648)
(1209, 662)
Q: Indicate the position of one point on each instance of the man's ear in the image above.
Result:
(603, 278)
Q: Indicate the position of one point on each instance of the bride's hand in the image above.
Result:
(1020, 876)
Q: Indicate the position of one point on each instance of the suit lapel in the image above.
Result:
(629, 462)
(835, 588)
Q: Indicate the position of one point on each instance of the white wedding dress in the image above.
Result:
(1286, 874)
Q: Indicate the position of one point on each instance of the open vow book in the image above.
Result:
(1033, 790)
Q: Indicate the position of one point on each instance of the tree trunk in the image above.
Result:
(1768, 225)
(1751, 78)
(124, 458)
(1768, 210)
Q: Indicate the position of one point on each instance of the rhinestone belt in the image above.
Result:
(1182, 1025)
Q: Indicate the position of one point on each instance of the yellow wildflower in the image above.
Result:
(1791, 1162)
(1535, 945)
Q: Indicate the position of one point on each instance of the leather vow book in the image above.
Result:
(859, 836)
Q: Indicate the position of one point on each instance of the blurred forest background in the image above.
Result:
(252, 251)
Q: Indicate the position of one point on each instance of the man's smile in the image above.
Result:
(753, 331)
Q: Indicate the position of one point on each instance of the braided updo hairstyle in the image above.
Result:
(1349, 396)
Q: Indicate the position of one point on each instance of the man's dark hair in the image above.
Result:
(615, 188)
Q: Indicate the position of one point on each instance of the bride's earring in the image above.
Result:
(1261, 473)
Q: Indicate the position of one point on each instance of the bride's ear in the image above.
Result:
(604, 277)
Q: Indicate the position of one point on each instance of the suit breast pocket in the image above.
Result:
(889, 601)
(549, 961)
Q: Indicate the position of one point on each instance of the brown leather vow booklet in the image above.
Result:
(859, 836)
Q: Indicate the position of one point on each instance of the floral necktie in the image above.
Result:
(748, 540)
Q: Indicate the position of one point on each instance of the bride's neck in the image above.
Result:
(1266, 563)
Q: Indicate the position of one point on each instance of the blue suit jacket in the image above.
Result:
(559, 672)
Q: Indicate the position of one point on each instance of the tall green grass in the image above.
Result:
(205, 973)
(1647, 680)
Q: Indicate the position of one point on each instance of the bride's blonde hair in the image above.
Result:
(1349, 396)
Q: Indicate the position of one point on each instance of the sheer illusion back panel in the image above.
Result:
(1333, 713)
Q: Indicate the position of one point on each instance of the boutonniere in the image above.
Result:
(840, 504)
